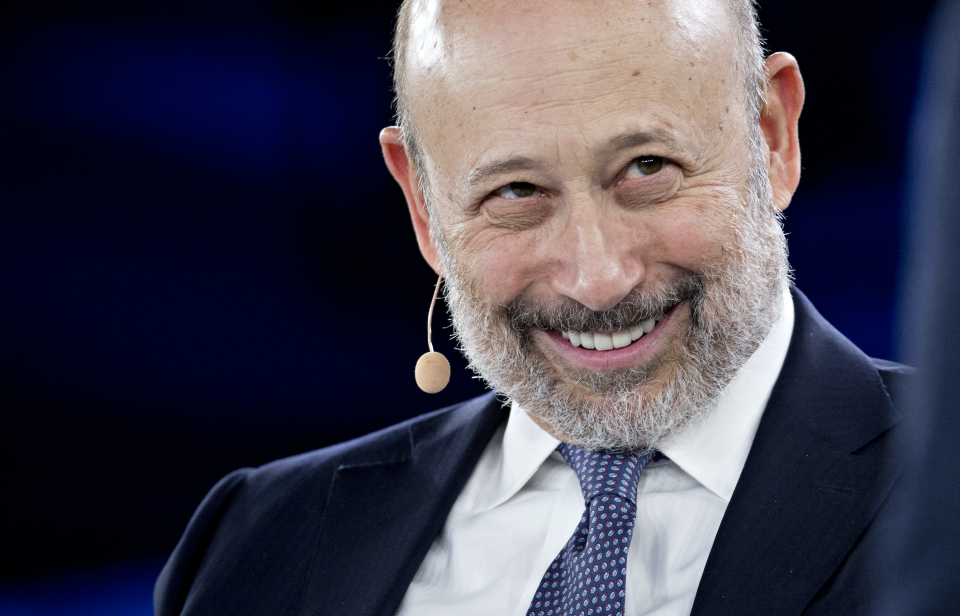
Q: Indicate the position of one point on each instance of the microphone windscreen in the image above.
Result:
(432, 372)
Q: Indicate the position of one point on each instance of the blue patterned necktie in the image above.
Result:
(589, 575)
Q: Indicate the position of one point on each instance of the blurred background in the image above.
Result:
(205, 265)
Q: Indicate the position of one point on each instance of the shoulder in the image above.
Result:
(387, 445)
(262, 522)
(821, 343)
(896, 377)
(300, 481)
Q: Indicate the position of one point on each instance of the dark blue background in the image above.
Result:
(204, 263)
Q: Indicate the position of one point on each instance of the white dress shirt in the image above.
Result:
(523, 502)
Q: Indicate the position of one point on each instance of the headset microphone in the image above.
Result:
(433, 369)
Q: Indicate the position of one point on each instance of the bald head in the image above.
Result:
(437, 41)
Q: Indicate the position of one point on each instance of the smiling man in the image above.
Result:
(604, 179)
(600, 183)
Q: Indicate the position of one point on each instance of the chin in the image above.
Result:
(622, 410)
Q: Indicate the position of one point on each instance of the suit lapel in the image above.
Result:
(812, 482)
(383, 514)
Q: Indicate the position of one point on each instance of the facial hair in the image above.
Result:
(732, 306)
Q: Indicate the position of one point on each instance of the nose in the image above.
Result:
(598, 262)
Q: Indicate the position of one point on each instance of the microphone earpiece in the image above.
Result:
(433, 369)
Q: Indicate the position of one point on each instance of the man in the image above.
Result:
(600, 185)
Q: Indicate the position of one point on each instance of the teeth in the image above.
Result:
(613, 340)
(603, 342)
(621, 339)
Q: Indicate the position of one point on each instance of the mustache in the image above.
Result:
(570, 315)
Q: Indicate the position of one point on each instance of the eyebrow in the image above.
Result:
(500, 167)
(631, 140)
(622, 141)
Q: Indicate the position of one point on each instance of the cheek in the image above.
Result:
(500, 263)
(694, 233)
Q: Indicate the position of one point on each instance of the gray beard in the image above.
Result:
(733, 307)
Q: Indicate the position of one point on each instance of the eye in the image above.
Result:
(517, 190)
(644, 166)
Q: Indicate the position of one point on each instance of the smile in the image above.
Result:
(610, 350)
(607, 341)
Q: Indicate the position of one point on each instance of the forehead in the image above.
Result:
(477, 70)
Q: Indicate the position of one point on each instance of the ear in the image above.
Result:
(405, 173)
(778, 121)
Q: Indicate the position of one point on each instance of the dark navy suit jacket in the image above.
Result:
(344, 529)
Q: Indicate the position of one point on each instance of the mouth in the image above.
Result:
(607, 350)
(607, 341)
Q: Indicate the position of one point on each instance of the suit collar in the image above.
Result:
(410, 476)
(812, 482)
(830, 386)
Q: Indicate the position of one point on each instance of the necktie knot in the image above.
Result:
(605, 473)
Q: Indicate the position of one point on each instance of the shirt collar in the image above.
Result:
(523, 449)
(713, 451)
